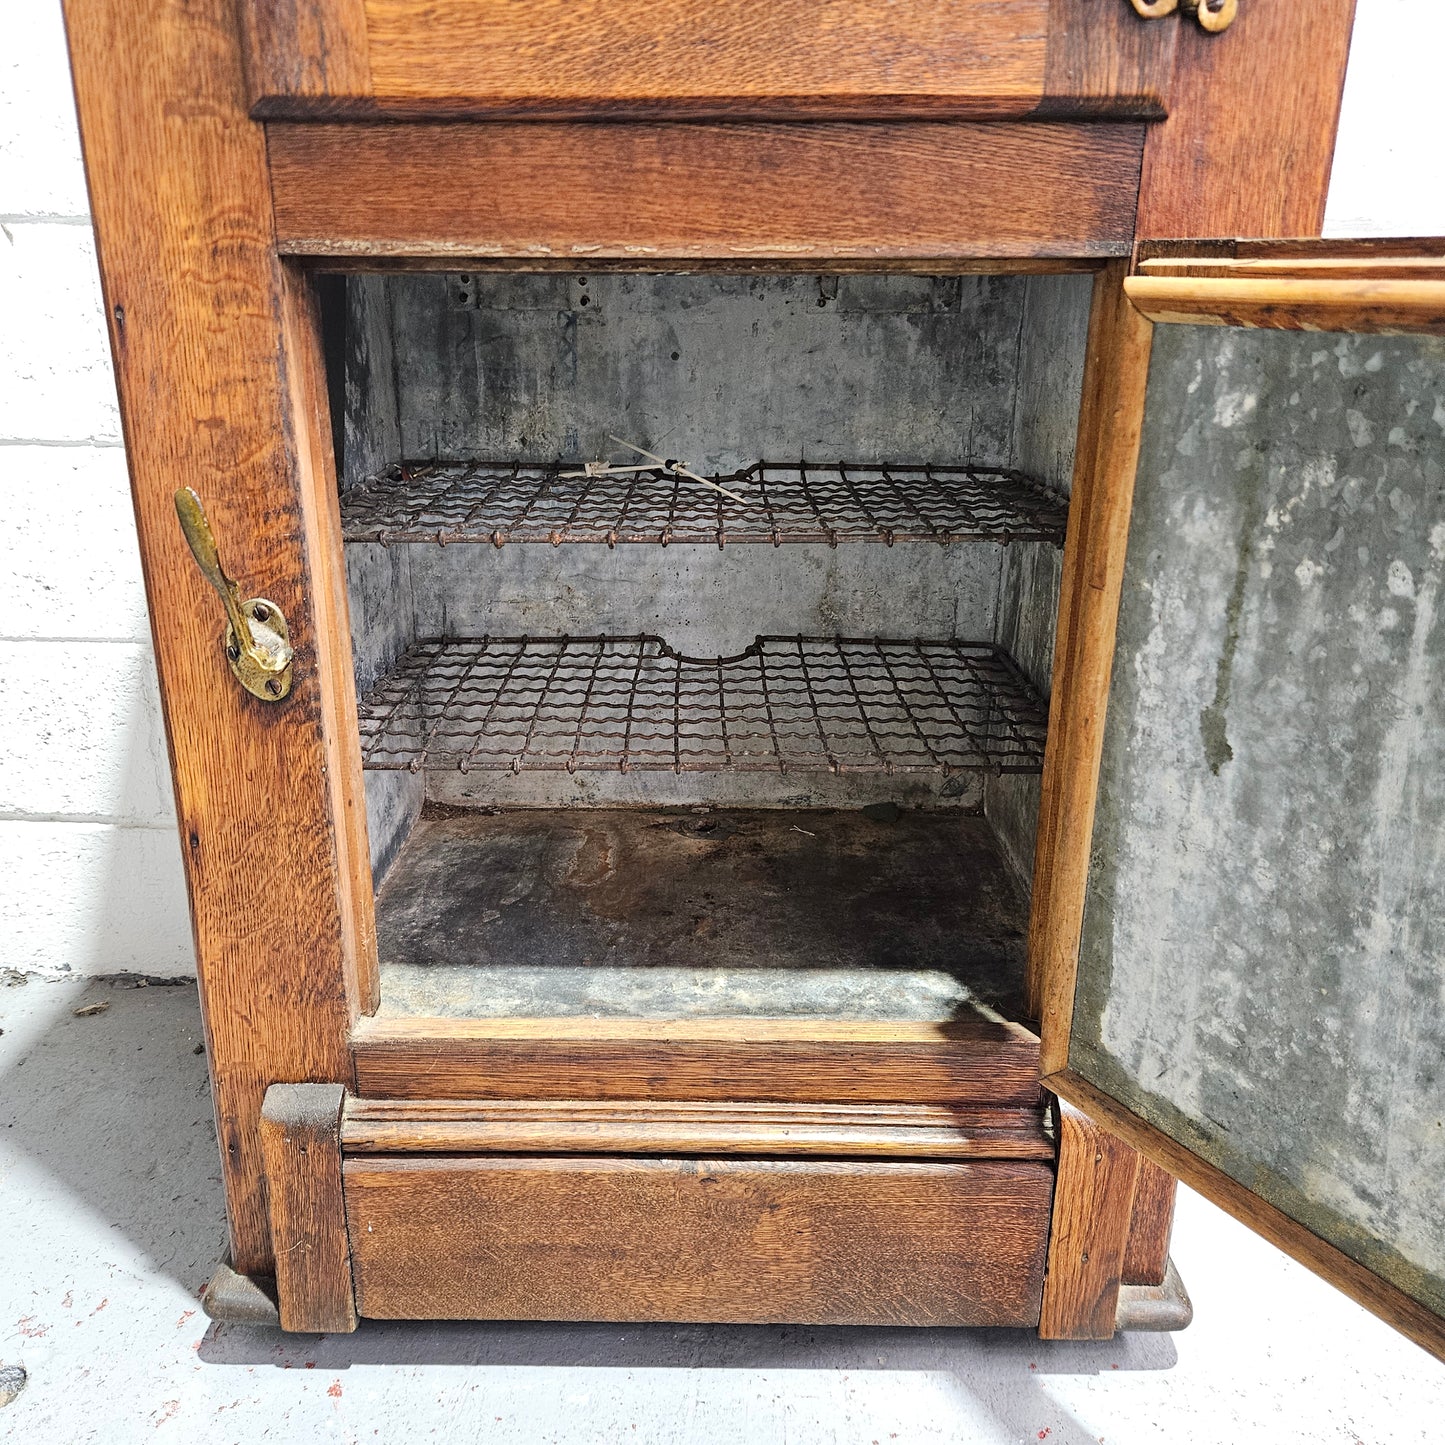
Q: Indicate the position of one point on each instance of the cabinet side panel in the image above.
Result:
(200, 320)
(1266, 911)
(1053, 341)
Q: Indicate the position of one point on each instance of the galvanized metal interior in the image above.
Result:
(550, 619)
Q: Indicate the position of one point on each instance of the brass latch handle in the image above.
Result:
(258, 642)
(1212, 15)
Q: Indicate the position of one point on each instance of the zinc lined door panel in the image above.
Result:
(1257, 1000)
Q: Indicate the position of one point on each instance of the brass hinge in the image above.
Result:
(1212, 15)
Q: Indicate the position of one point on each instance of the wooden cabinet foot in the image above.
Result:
(1162, 1307)
(239, 1299)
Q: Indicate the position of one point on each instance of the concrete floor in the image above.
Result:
(110, 1222)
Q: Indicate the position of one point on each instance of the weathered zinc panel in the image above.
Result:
(718, 370)
(1052, 344)
(1263, 962)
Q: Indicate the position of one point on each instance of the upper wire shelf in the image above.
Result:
(784, 704)
(446, 502)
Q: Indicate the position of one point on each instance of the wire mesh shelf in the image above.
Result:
(445, 502)
(785, 704)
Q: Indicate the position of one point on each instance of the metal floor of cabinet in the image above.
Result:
(864, 914)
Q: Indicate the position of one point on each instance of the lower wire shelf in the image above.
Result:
(631, 703)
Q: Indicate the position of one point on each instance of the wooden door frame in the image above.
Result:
(1392, 287)
(217, 355)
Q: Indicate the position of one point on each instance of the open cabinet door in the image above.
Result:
(1239, 935)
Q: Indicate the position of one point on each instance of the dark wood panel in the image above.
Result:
(197, 311)
(1103, 60)
(750, 192)
(722, 1241)
(301, 1142)
(1247, 147)
(804, 1060)
(305, 48)
(1093, 1205)
(1365, 255)
(582, 1126)
(1392, 1305)
(1146, 1259)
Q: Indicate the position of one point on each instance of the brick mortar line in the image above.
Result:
(87, 820)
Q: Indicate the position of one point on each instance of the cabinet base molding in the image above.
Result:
(701, 1212)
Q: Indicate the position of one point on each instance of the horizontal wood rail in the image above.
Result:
(704, 59)
(1303, 268)
(1294, 303)
(580, 1126)
(750, 193)
(964, 1061)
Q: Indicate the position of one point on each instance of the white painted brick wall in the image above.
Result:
(88, 852)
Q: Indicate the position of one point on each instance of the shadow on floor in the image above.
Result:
(117, 1107)
(683, 1347)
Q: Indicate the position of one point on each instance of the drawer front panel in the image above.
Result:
(719, 1241)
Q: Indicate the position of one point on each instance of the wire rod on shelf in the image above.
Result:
(632, 703)
(780, 502)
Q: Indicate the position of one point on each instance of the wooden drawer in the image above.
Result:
(687, 1240)
(782, 59)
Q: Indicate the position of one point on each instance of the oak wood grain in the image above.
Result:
(1392, 1305)
(1088, 1239)
(1103, 60)
(319, 503)
(583, 1126)
(305, 47)
(1093, 575)
(1390, 306)
(300, 1134)
(194, 299)
(1106, 459)
(594, 50)
(1151, 1225)
(1247, 147)
(799, 1060)
(705, 59)
(747, 192)
(719, 1241)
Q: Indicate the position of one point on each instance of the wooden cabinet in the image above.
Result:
(321, 229)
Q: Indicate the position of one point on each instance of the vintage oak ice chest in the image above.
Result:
(772, 662)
